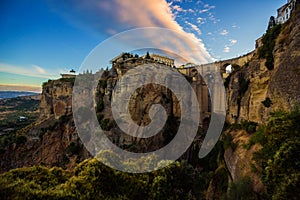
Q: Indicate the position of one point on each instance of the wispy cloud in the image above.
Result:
(209, 7)
(32, 71)
(224, 32)
(29, 88)
(226, 49)
(203, 11)
(39, 69)
(194, 27)
(233, 41)
(235, 26)
(212, 18)
(201, 20)
(178, 8)
(143, 13)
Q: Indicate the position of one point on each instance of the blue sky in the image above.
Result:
(41, 39)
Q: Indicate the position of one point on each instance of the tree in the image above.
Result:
(148, 55)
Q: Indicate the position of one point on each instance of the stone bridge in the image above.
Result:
(208, 81)
(221, 65)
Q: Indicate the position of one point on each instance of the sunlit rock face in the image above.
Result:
(56, 98)
(280, 85)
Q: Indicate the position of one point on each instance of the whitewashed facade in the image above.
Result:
(284, 12)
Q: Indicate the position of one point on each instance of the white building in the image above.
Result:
(284, 12)
(163, 59)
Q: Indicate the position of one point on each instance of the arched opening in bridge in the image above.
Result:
(228, 69)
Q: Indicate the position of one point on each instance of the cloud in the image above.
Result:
(178, 8)
(194, 27)
(190, 10)
(39, 69)
(212, 18)
(201, 20)
(226, 49)
(233, 41)
(203, 11)
(28, 88)
(124, 16)
(224, 32)
(33, 71)
(209, 7)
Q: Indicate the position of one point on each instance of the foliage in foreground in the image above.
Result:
(93, 180)
(279, 156)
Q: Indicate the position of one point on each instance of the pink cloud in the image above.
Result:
(119, 15)
(157, 13)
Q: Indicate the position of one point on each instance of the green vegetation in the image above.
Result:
(19, 104)
(12, 109)
(93, 180)
(266, 50)
(70, 80)
(228, 141)
(107, 124)
(267, 102)
(148, 55)
(9, 139)
(11, 123)
(257, 138)
(73, 149)
(100, 105)
(279, 156)
(241, 189)
(100, 116)
(103, 84)
(248, 126)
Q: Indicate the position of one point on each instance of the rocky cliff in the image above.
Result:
(254, 83)
(56, 98)
(254, 91)
(51, 140)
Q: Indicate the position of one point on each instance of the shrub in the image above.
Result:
(103, 84)
(72, 149)
(227, 141)
(266, 50)
(100, 116)
(100, 105)
(71, 80)
(267, 102)
(241, 189)
(107, 124)
(279, 156)
(249, 126)
(257, 138)
(21, 139)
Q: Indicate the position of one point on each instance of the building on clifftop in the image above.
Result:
(71, 74)
(285, 11)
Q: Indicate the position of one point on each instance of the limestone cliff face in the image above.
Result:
(284, 85)
(280, 85)
(254, 83)
(139, 106)
(56, 98)
(239, 161)
(247, 89)
(52, 140)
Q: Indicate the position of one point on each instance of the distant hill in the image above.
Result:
(13, 94)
